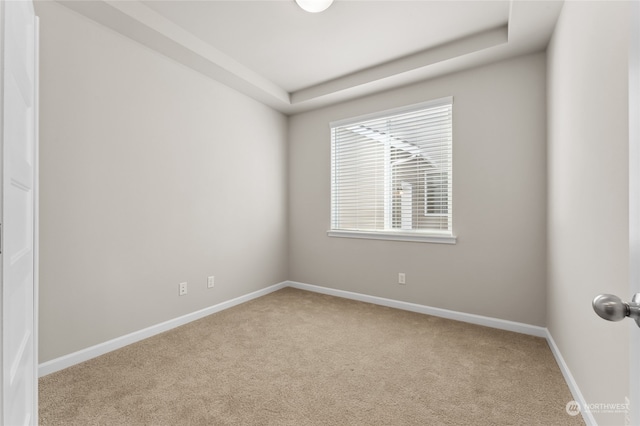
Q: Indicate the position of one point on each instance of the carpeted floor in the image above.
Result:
(300, 358)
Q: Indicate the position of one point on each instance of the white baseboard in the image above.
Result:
(470, 318)
(119, 342)
(517, 327)
(587, 416)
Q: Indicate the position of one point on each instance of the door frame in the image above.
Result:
(634, 209)
(36, 218)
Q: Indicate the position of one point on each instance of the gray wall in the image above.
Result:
(588, 195)
(498, 266)
(139, 156)
(151, 175)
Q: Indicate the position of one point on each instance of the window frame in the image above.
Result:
(417, 235)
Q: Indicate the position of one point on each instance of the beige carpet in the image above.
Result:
(300, 358)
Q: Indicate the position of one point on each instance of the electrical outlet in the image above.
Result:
(211, 281)
(401, 278)
(182, 289)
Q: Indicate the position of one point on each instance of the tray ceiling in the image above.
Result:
(294, 61)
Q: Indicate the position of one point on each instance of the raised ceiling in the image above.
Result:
(295, 49)
(294, 61)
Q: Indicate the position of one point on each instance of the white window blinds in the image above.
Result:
(391, 172)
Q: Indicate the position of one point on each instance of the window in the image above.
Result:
(391, 174)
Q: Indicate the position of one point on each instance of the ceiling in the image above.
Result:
(295, 61)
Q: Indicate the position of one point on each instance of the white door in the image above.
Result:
(19, 152)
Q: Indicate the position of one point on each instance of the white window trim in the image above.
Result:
(446, 237)
(415, 236)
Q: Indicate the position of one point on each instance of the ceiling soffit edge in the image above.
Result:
(138, 22)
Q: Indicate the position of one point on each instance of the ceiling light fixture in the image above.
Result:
(314, 6)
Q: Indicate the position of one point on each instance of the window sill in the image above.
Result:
(395, 236)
